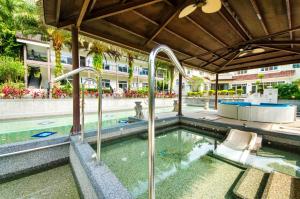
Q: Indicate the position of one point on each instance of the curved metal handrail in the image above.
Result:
(82, 104)
(99, 83)
(151, 112)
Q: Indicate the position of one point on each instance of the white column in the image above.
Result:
(49, 64)
(25, 66)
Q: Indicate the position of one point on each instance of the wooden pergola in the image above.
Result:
(210, 42)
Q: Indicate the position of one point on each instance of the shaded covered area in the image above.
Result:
(241, 35)
(219, 42)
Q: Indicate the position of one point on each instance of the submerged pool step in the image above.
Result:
(282, 186)
(251, 184)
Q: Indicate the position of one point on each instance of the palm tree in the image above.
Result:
(195, 83)
(131, 55)
(59, 39)
(98, 49)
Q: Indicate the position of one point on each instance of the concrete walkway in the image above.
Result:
(211, 115)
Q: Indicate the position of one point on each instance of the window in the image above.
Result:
(122, 68)
(82, 61)
(106, 83)
(145, 85)
(123, 84)
(242, 72)
(144, 71)
(106, 66)
(240, 86)
(296, 65)
(269, 68)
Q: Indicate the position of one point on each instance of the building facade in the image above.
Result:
(39, 59)
(248, 79)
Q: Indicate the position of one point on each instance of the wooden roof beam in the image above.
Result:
(289, 18)
(57, 16)
(91, 6)
(232, 19)
(235, 55)
(297, 51)
(216, 59)
(259, 16)
(82, 12)
(289, 42)
(172, 32)
(206, 31)
(277, 63)
(110, 11)
(165, 23)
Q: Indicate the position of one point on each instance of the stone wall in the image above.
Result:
(23, 108)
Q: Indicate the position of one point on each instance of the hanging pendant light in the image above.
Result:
(207, 6)
(258, 50)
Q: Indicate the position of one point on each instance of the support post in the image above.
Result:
(25, 66)
(48, 65)
(76, 85)
(180, 96)
(216, 93)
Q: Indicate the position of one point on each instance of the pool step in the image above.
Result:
(282, 186)
(251, 184)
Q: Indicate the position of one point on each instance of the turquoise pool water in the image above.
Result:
(22, 129)
(182, 168)
(54, 183)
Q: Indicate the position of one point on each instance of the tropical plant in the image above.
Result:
(59, 39)
(17, 16)
(287, 91)
(11, 70)
(211, 92)
(195, 83)
(231, 93)
(239, 91)
(131, 55)
(260, 76)
(98, 50)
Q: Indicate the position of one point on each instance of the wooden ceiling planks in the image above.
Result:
(200, 40)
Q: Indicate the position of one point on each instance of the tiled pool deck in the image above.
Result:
(211, 115)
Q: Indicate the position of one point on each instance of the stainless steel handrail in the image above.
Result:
(82, 105)
(32, 149)
(99, 83)
(151, 113)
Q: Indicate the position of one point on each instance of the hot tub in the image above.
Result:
(263, 112)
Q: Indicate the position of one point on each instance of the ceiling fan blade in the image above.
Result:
(242, 54)
(212, 6)
(258, 50)
(187, 10)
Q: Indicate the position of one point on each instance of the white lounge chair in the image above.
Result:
(237, 146)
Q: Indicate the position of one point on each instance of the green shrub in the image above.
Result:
(224, 92)
(287, 91)
(211, 92)
(239, 91)
(231, 92)
(11, 70)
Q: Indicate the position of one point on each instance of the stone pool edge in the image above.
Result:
(95, 180)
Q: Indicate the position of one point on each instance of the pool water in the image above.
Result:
(182, 168)
(53, 183)
(283, 161)
(17, 130)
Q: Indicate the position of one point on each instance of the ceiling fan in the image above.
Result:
(207, 6)
(245, 51)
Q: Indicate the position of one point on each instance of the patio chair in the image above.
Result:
(237, 146)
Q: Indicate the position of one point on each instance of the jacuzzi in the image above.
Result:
(263, 112)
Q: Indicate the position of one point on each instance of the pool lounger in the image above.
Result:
(237, 146)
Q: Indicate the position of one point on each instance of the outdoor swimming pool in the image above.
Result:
(185, 166)
(183, 170)
(17, 130)
(54, 183)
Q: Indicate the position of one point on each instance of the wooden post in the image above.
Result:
(180, 96)
(76, 85)
(216, 93)
(25, 66)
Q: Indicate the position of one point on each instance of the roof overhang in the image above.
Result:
(210, 42)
